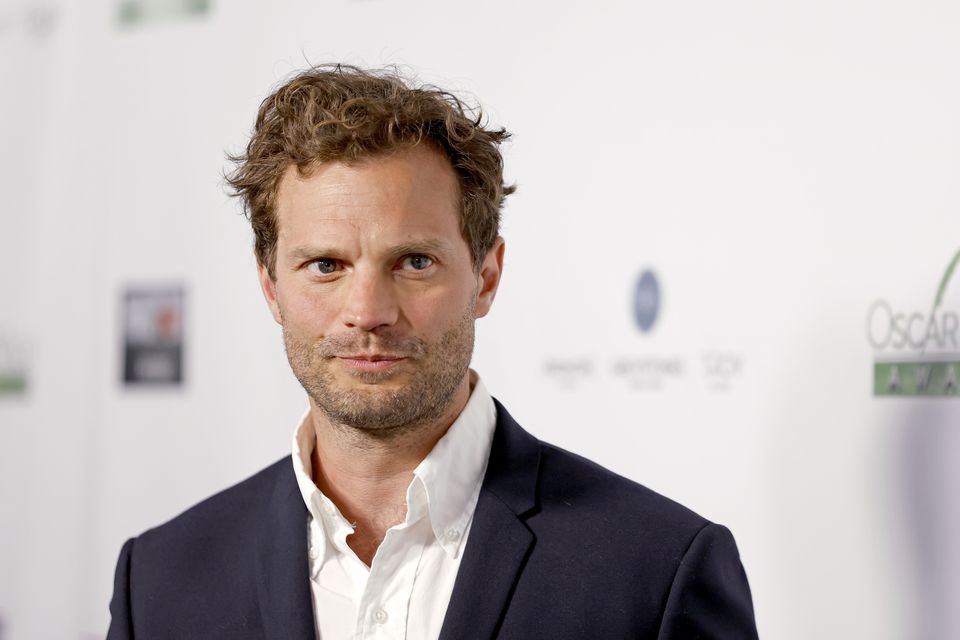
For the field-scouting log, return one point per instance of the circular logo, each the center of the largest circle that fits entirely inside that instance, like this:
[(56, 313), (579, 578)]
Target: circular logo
[(646, 301)]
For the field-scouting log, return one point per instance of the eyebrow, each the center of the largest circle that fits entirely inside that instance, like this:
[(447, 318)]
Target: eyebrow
[(419, 246), (433, 245), (305, 252)]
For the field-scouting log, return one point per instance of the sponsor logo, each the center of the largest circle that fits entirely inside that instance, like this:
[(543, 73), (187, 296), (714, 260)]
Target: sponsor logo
[(646, 301), (647, 367), (153, 331), (131, 12), (916, 352), (721, 369), (36, 19), (649, 372), (13, 365)]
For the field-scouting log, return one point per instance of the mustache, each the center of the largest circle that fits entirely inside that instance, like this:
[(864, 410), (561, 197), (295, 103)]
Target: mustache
[(351, 344)]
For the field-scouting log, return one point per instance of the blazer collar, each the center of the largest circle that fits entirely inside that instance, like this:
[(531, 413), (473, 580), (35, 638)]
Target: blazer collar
[(283, 580), (499, 541)]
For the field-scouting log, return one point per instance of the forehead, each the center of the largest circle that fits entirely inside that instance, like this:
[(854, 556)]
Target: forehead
[(410, 192)]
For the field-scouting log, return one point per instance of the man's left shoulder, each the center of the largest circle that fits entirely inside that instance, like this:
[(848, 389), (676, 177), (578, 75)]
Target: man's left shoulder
[(602, 496), (631, 553), (574, 498)]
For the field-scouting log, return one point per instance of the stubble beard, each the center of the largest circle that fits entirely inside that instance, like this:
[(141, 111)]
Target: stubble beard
[(434, 374)]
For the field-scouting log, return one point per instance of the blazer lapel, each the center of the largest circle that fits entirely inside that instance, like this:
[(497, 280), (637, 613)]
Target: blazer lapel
[(283, 577), (499, 540)]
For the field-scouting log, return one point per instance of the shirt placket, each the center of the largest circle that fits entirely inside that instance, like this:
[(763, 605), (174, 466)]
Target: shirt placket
[(385, 602)]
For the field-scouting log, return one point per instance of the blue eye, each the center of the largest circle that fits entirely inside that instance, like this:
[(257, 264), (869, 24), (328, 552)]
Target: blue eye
[(417, 262), (324, 266)]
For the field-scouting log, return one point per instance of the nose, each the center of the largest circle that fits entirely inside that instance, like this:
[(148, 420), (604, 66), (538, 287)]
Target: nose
[(370, 301)]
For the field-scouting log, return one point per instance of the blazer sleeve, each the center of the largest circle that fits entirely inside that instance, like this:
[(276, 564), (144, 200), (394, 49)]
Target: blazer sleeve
[(121, 618), (710, 597)]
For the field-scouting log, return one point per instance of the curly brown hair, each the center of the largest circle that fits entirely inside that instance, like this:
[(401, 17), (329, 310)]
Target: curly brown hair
[(343, 113)]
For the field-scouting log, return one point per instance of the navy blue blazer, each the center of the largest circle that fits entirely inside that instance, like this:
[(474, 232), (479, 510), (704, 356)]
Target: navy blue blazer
[(559, 548)]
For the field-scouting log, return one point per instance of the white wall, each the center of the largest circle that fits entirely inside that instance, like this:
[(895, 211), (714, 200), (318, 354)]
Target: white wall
[(779, 166)]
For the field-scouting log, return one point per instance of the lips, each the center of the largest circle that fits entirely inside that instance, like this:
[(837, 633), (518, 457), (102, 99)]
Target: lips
[(374, 357), (371, 362)]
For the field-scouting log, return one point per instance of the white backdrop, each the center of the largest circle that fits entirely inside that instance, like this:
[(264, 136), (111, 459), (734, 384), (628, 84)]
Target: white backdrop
[(779, 167)]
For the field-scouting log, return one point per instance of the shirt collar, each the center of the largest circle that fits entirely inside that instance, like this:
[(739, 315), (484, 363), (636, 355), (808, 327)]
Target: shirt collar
[(453, 471), (323, 511), (446, 483)]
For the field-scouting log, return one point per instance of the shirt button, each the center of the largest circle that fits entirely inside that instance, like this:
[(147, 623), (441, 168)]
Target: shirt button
[(314, 553), (380, 616), (453, 535)]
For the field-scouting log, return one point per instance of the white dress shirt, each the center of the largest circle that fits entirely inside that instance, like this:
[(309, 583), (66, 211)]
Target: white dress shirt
[(405, 591)]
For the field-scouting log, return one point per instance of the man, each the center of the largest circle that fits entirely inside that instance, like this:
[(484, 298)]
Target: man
[(414, 506)]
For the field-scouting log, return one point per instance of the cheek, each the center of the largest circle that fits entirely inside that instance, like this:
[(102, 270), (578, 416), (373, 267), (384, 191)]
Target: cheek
[(305, 311), (432, 312)]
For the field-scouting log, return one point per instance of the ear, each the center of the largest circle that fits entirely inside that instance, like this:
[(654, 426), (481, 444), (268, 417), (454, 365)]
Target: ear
[(489, 277), (269, 288)]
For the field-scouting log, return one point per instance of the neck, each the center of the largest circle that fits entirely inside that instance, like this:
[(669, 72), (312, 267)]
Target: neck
[(367, 474)]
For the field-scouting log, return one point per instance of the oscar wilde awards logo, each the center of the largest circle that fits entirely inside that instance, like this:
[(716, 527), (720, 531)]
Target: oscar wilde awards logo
[(917, 352)]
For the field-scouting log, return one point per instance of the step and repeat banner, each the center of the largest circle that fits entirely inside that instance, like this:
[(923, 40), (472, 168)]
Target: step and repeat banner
[(731, 275)]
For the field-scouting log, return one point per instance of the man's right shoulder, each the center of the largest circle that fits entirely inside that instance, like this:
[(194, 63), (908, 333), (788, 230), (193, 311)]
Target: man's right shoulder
[(201, 570)]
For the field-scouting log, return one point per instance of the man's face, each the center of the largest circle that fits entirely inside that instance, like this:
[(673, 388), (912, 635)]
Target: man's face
[(375, 288)]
